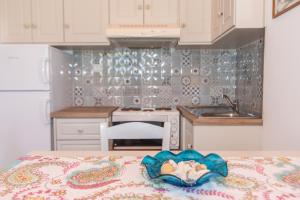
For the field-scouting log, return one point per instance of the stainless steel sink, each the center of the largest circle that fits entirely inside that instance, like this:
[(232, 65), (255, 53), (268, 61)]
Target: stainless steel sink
[(228, 115), (218, 111)]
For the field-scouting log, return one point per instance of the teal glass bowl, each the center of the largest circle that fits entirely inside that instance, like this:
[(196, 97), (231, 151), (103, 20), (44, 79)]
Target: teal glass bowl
[(216, 164)]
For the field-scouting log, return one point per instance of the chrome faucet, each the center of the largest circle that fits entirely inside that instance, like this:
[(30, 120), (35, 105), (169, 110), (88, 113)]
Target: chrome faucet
[(233, 105)]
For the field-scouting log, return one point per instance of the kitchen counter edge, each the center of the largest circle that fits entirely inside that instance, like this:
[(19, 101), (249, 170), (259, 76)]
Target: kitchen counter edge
[(85, 112)]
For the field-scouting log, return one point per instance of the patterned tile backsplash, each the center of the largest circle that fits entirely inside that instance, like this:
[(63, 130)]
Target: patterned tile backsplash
[(249, 75), (165, 76)]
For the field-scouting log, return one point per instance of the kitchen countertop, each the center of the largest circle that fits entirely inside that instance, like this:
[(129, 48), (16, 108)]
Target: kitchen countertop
[(234, 121), (85, 112)]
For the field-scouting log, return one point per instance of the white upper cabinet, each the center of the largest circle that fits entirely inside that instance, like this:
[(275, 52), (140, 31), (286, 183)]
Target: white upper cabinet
[(228, 14), (27, 21), (86, 21), (222, 16), (216, 18), (250, 13), (15, 18), (126, 12), (161, 12), (47, 21), (144, 12), (195, 21)]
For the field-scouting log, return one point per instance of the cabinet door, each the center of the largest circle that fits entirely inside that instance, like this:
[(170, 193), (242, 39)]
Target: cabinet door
[(16, 21), (78, 145), (228, 14), (161, 12), (126, 12), (47, 20), (85, 21), (216, 17), (195, 21)]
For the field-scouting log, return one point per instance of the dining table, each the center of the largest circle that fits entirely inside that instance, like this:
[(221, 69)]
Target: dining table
[(119, 175)]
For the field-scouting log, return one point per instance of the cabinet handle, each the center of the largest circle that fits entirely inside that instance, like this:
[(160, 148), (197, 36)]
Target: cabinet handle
[(183, 25), (80, 131), (26, 26), (46, 71), (147, 7), (47, 112), (33, 26), (66, 26), (140, 7), (221, 13)]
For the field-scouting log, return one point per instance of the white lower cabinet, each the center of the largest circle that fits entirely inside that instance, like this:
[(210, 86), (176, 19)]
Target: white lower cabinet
[(220, 138), (78, 134)]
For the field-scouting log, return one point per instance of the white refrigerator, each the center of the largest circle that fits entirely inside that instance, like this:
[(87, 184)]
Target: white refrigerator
[(34, 80)]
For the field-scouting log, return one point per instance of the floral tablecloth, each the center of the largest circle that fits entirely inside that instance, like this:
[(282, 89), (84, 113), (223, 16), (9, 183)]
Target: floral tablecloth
[(37, 177)]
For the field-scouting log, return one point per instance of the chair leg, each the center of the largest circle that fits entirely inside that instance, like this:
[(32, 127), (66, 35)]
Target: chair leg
[(104, 144), (103, 136)]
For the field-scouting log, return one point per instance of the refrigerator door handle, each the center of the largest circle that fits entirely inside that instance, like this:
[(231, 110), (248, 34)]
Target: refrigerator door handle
[(47, 112), (46, 71)]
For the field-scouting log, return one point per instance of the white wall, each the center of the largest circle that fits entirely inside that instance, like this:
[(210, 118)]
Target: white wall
[(282, 81)]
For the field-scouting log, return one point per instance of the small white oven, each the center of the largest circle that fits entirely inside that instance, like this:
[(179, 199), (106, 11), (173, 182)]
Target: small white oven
[(157, 117)]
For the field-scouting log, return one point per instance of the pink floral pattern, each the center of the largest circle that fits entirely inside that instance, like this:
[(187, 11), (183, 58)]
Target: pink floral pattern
[(122, 177)]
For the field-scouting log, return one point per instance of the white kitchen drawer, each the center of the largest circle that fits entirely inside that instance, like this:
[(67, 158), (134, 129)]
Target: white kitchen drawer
[(78, 129), (78, 145)]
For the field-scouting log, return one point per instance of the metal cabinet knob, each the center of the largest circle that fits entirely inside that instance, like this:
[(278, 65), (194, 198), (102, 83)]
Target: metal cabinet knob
[(221, 13), (140, 7), (66, 26), (26, 26), (183, 25), (147, 7), (33, 26), (80, 131)]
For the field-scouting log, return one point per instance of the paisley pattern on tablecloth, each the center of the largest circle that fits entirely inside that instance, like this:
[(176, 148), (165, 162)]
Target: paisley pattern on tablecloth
[(291, 178), (39, 177), (96, 177), (240, 182)]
